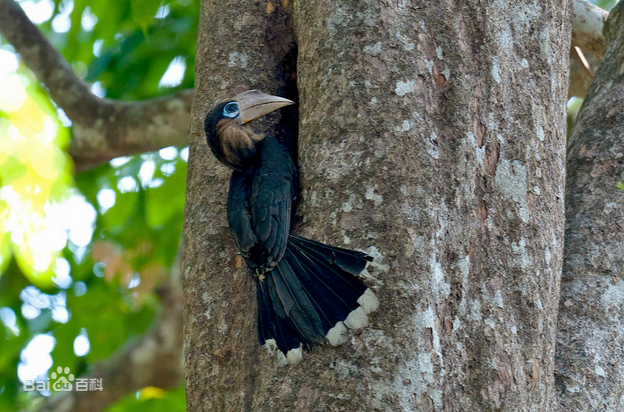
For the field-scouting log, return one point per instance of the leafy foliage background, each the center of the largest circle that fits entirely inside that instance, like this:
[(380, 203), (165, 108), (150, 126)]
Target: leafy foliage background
[(124, 48)]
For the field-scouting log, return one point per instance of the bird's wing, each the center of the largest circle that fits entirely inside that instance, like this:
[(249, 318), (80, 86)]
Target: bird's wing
[(272, 192), (239, 213)]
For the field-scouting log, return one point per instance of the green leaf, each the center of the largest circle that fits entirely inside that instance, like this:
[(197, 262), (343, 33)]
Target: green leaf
[(167, 201), (12, 170), (116, 219), (107, 317), (5, 251), (165, 401), (143, 12), (134, 50), (63, 352), (11, 347)]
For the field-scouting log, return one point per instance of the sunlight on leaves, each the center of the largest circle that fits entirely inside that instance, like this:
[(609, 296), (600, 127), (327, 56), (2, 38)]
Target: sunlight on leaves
[(150, 392), (35, 173)]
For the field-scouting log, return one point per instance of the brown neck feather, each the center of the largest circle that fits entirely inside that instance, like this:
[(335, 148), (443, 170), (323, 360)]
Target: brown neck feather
[(238, 142)]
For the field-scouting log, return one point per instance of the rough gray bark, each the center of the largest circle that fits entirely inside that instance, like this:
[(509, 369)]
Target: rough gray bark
[(432, 136), (590, 337), (102, 128), (441, 146)]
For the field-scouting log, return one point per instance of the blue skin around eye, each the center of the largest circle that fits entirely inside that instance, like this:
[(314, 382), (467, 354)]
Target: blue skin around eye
[(231, 110)]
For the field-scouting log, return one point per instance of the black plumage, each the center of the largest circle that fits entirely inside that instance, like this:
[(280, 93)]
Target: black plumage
[(307, 292)]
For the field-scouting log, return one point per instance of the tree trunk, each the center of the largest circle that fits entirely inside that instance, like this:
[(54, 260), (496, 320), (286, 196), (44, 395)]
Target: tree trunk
[(240, 46), (431, 136), (591, 333)]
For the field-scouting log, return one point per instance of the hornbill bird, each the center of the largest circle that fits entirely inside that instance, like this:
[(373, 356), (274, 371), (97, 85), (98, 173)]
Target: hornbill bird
[(308, 292)]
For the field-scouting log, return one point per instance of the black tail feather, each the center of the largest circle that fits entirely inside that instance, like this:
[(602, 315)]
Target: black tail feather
[(327, 302), (337, 293), (350, 261), (310, 292), (329, 272), (300, 309), (272, 319)]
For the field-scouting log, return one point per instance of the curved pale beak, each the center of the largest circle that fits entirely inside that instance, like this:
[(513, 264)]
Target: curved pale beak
[(254, 104)]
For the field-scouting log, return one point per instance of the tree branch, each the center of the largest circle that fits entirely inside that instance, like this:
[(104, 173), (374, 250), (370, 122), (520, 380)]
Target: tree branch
[(590, 340), (153, 360), (580, 77), (67, 90), (102, 128), (123, 128), (586, 34), (587, 28)]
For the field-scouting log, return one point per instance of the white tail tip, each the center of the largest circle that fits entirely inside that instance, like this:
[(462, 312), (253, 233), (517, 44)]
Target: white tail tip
[(294, 356), (337, 335), (368, 301), (357, 319)]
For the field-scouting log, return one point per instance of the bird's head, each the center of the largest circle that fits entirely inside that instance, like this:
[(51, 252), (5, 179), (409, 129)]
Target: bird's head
[(230, 138)]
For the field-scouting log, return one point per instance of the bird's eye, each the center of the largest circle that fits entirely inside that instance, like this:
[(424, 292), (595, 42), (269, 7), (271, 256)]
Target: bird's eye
[(231, 110)]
